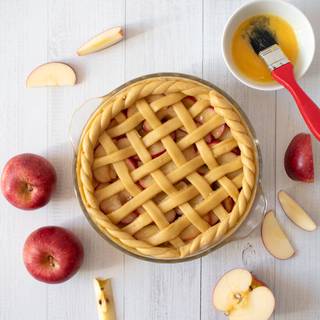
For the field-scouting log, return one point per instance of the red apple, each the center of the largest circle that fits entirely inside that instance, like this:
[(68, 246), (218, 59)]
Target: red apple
[(28, 181), (298, 159), (52, 254)]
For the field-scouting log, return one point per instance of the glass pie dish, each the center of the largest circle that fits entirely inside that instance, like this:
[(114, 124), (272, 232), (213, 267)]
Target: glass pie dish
[(170, 196)]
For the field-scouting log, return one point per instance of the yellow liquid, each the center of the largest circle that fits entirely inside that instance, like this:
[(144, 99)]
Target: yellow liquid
[(248, 62)]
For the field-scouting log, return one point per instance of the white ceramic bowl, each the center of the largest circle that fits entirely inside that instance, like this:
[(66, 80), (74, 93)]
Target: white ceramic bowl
[(288, 12)]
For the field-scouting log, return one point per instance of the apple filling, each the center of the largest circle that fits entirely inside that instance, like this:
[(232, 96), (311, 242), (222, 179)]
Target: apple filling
[(106, 175)]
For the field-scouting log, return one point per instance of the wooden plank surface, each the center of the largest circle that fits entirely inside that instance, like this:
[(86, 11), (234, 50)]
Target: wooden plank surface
[(164, 27), (299, 276), (161, 35)]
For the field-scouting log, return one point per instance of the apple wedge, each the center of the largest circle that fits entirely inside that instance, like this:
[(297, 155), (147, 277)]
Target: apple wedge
[(104, 298), (274, 238), (101, 41), (239, 299), (52, 74), (295, 213)]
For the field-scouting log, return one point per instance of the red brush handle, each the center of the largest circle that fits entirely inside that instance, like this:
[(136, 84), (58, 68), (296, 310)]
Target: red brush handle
[(309, 110)]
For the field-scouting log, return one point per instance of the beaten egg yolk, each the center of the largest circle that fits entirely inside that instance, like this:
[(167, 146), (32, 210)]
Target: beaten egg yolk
[(248, 62)]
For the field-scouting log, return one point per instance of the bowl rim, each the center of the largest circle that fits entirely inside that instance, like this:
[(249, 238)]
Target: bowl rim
[(237, 74), (257, 188)]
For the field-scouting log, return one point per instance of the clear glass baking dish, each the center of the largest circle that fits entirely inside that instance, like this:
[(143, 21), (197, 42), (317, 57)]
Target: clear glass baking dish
[(250, 221)]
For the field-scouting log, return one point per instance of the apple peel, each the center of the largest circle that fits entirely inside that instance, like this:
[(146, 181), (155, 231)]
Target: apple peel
[(295, 212), (52, 74), (101, 41), (104, 297), (274, 238)]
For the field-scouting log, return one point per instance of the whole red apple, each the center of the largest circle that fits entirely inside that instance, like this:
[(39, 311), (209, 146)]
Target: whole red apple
[(28, 181), (52, 254), (298, 159)]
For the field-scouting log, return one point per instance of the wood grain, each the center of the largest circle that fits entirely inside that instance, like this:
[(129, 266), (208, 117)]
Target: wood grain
[(165, 35), (158, 36)]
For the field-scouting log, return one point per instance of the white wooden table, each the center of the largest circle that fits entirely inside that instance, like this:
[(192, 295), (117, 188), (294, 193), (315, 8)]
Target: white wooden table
[(161, 35)]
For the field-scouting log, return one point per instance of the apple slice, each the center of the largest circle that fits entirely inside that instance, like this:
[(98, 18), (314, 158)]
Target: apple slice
[(237, 298), (228, 204), (101, 41), (168, 113), (189, 233), (146, 181), (226, 134), (211, 218), (274, 238), (104, 298), (181, 185), (218, 132), (146, 126), (203, 170), (52, 74), (146, 232), (131, 163), (106, 173), (122, 143), (171, 216), (156, 149), (209, 138), (205, 115), (189, 101), (190, 153), (169, 167), (227, 157), (129, 218), (236, 151), (180, 134), (295, 213), (110, 204)]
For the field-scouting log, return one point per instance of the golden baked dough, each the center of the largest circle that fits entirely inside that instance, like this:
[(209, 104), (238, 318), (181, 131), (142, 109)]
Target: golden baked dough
[(166, 167)]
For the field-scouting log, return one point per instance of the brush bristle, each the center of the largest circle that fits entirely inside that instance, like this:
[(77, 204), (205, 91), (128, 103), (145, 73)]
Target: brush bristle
[(261, 38)]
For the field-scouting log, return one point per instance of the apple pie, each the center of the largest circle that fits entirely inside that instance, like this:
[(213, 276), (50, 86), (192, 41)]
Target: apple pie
[(166, 167)]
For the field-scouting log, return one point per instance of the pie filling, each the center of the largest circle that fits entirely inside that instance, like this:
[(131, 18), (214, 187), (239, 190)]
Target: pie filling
[(169, 174)]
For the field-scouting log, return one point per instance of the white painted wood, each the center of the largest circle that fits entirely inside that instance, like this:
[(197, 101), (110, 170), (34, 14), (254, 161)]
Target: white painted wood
[(154, 29), (299, 276), (258, 106), (68, 26), (162, 35), (23, 117)]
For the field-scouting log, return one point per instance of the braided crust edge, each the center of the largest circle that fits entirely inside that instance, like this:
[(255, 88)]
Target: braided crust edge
[(100, 120)]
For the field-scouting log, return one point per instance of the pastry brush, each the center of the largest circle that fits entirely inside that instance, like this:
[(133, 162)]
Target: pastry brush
[(264, 43)]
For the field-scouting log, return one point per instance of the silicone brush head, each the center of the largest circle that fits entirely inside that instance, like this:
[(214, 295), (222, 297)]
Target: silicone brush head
[(264, 43), (261, 38)]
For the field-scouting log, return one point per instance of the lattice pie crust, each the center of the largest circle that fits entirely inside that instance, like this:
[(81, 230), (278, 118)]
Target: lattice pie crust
[(166, 167)]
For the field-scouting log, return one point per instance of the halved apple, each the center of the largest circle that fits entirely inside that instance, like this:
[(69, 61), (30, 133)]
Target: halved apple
[(239, 299), (274, 238), (295, 213), (101, 41), (52, 74)]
